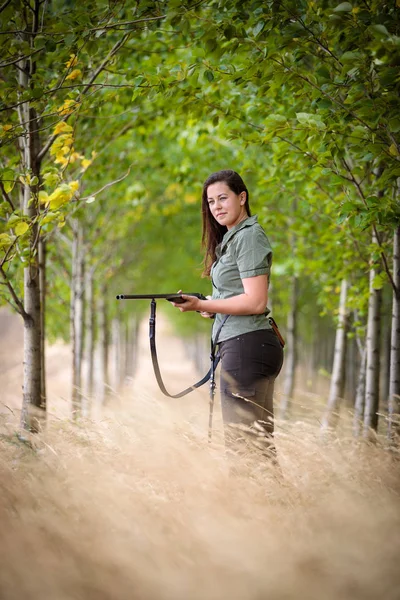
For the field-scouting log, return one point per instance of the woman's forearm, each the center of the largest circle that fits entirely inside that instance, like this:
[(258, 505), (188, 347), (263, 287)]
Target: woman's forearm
[(237, 305)]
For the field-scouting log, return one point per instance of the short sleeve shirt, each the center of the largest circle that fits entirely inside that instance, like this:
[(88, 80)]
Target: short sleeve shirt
[(244, 252)]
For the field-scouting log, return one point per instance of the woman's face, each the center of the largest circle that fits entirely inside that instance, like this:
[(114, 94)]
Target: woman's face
[(226, 207)]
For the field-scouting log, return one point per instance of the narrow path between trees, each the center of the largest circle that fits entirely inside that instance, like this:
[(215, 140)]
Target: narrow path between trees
[(178, 372)]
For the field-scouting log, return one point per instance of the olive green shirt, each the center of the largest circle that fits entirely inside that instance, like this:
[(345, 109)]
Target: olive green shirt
[(244, 252)]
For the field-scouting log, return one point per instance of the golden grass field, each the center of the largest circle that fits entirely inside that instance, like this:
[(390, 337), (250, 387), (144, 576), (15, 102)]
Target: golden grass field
[(136, 505)]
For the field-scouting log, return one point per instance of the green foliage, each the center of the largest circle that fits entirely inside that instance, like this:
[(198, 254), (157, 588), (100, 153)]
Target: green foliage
[(301, 98)]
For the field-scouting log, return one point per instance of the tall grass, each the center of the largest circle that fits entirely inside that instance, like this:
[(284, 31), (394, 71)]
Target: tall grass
[(139, 506)]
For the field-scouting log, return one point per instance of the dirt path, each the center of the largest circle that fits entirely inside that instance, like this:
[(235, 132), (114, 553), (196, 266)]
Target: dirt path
[(178, 373), (177, 369)]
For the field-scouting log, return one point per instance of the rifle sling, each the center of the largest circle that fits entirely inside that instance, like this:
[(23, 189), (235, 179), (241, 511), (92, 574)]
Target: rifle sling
[(214, 358)]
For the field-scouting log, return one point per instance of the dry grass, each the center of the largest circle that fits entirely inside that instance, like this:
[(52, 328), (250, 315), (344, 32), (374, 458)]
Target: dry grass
[(138, 506)]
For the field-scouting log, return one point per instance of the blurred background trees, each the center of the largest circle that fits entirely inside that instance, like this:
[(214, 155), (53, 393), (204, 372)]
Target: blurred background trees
[(112, 116)]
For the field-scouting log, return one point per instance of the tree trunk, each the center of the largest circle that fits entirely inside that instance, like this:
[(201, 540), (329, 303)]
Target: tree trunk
[(130, 347), (103, 346), (117, 343), (336, 391), (33, 412), (352, 370), (290, 354), (77, 318), (89, 333), (359, 404), (394, 384), (43, 292), (373, 356)]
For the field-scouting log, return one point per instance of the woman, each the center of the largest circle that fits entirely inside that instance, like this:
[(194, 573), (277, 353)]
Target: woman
[(238, 259)]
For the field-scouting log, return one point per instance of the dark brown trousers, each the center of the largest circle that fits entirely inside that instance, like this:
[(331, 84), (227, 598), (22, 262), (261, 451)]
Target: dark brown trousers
[(250, 364)]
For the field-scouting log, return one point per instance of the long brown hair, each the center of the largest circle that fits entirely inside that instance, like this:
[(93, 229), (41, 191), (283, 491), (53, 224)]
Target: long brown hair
[(213, 232)]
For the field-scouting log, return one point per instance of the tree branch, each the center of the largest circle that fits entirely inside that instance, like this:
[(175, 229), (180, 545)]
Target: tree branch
[(8, 252), (19, 305), (6, 196), (4, 5), (107, 59), (331, 98), (374, 229), (16, 60), (109, 184), (84, 30), (123, 23)]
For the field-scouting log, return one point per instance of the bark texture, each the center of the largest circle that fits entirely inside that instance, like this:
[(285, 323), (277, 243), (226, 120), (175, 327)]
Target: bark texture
[(103, 346), (360, 394), (77, 318), (33, 405), (90, 323), (338, 379), (394, 384), (290, 352), (43, 292), (373, 356)]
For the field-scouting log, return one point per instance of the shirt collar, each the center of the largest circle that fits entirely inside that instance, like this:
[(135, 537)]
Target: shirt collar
[(231, 232)]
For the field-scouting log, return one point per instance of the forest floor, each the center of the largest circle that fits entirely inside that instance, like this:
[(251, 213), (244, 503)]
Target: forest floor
[(133, 503)]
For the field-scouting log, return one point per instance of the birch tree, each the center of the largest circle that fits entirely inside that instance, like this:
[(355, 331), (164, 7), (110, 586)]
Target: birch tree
[(338, 379)]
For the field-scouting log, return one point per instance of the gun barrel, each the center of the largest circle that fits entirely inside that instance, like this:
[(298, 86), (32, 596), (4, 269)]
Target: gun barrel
[(156, 296)]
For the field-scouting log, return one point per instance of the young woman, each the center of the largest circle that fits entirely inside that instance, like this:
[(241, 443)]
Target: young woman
[(238, 259)]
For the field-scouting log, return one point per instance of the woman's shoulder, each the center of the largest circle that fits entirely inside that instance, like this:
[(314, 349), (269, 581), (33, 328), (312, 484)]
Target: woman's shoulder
[(252, 234)]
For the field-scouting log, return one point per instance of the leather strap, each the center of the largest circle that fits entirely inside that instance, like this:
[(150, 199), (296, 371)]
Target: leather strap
[(277, 332), (214, 358)]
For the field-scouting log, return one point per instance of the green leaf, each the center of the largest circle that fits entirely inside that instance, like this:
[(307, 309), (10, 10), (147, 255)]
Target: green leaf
[(303, 117), (275, 119), (258, 28), (348, 207), (380, 31), (209, 75), (5, 240), (51, 179), (8, 180), (343, 7), (379, 281), (13, 220), (21, 228), (349, 57), (49, 217)]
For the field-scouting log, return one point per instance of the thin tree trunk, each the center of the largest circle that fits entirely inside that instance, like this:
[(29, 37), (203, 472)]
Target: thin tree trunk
[(43, 292), (385, 359), (135, 344), (352, 370), (394, 384), (77, 318), (117, 347), (89, 333), (290, 354), (373, 356), (338, 379), (130, 345), (359, 404), (103, 346), (33, 412)]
